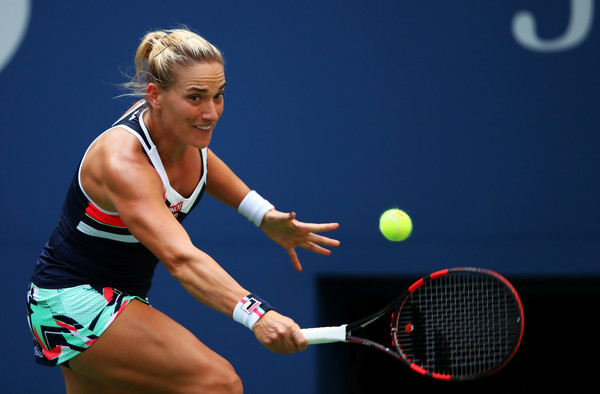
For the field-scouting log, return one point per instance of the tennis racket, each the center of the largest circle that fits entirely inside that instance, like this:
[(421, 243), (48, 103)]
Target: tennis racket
[(455, 324)]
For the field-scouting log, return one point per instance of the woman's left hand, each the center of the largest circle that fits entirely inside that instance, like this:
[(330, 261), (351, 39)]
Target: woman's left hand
[(285, 230)]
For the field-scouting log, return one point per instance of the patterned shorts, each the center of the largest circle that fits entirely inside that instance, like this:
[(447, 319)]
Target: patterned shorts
[(65, 322)]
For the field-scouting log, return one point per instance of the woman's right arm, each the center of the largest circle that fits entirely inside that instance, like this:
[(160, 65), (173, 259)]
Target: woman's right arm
[(123, 180)]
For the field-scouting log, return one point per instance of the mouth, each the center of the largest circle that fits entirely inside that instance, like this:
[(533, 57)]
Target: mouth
[(205, 128)]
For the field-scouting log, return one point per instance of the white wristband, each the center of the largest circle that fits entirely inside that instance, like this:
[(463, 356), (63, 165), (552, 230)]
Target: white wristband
[(254, 207), (250, 309)]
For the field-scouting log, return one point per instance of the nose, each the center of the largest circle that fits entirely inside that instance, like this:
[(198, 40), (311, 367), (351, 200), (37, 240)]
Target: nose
[(211, 110)]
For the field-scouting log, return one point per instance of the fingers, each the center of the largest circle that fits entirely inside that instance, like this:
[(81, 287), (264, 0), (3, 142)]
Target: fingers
[(299, 340), (322, 240), (312, 247), (312, 241), (316, 249), (310, 233), (314, 237), (294, 259), (291, 343), (279, 334), (313, 244), (321, 227), (289, 233)]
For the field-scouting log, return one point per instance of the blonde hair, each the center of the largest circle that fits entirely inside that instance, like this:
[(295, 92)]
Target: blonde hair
[(161, 52)]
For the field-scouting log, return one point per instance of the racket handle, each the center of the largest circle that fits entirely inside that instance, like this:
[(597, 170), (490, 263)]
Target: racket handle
[(318, 335)]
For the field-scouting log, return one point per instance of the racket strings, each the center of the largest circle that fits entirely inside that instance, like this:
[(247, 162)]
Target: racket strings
[(458, 325)]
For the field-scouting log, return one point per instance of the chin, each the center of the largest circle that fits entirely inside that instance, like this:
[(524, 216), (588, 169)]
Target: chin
[(200, 144)]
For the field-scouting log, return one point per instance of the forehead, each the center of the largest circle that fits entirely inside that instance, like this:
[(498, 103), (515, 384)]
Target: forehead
[(201, 75)]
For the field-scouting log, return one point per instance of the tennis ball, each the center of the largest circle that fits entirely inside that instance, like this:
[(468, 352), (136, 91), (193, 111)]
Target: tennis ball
[(395, 225)]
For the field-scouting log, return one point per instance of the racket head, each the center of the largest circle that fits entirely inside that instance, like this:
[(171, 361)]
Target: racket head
[(458, 324)]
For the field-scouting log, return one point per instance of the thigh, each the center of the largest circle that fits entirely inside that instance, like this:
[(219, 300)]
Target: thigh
[(144, 350), (77, 383)]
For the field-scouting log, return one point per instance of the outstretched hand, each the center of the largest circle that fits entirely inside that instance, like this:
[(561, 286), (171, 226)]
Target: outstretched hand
[(289, 233)]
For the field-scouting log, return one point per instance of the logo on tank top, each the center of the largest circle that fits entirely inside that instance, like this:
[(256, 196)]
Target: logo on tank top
[(176, 208)]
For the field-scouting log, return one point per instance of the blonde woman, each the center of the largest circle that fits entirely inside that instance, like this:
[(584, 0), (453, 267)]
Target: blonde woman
[(87, 304)]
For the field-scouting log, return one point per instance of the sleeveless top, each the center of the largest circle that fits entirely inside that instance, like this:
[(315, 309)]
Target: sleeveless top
[(92, 246)]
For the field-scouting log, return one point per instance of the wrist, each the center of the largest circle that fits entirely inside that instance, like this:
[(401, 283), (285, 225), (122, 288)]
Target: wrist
[(254, 207), (250, 309)]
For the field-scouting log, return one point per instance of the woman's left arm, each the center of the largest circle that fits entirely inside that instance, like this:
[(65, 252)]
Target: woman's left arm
[(222, 183), (283, 228)]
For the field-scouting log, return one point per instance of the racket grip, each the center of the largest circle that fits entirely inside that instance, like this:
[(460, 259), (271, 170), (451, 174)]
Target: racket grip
[(318, 335)]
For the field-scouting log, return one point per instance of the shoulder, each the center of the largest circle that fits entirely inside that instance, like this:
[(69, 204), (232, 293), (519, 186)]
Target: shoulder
[(115, 146), (116, 163), (120, 152)]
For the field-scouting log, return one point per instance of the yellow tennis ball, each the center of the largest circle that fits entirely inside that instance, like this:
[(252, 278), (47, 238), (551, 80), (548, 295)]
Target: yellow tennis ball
[(395, 225)]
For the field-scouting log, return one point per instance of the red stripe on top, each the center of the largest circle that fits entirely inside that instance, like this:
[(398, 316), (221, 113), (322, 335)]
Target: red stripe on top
[(105, 218)]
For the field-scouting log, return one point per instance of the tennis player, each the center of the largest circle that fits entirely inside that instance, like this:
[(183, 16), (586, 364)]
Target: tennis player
[(87, 303)]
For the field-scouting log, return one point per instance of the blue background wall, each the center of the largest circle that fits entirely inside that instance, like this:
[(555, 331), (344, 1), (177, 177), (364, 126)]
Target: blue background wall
[(337, 110)]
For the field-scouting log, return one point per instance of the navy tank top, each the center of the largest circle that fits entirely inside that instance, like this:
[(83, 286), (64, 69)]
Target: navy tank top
[(92, 246)]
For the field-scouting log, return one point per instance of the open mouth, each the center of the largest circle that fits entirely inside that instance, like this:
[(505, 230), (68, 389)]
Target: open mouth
[(203, 127)]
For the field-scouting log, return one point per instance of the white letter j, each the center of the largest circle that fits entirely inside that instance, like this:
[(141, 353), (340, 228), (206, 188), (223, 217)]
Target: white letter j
[(580, 23)]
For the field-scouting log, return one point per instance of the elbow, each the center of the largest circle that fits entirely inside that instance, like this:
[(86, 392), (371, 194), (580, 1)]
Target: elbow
[(178, 264), (186, 265)]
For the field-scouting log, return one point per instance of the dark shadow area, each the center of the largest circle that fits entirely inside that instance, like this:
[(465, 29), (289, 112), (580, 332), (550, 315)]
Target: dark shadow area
[(558, 341)]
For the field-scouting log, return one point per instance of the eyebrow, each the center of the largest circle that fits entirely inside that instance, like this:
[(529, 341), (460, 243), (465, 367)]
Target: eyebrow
[(204, 90)]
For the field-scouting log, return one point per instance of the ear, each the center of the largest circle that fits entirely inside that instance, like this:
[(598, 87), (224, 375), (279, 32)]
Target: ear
[(153, 95)]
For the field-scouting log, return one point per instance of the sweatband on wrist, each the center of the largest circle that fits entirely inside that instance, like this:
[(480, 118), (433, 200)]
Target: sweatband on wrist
[(254, 207), (250, 309)]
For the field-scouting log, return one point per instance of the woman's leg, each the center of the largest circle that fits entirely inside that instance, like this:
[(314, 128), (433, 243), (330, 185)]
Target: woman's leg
[(77, 383), (146, 351)]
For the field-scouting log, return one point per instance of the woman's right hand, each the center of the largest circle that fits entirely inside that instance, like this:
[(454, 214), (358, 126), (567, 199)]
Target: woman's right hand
[(279, 333)]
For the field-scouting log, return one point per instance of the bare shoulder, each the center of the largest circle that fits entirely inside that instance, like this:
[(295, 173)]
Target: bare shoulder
[(116, 164)]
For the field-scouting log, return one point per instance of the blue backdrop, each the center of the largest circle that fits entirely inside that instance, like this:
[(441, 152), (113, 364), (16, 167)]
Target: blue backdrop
[(480, 119)]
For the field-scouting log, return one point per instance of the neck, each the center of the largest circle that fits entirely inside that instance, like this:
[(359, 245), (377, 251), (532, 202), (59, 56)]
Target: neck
[(171, 150)]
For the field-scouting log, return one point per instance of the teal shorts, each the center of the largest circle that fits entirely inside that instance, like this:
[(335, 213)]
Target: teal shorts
[(65, 322)]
